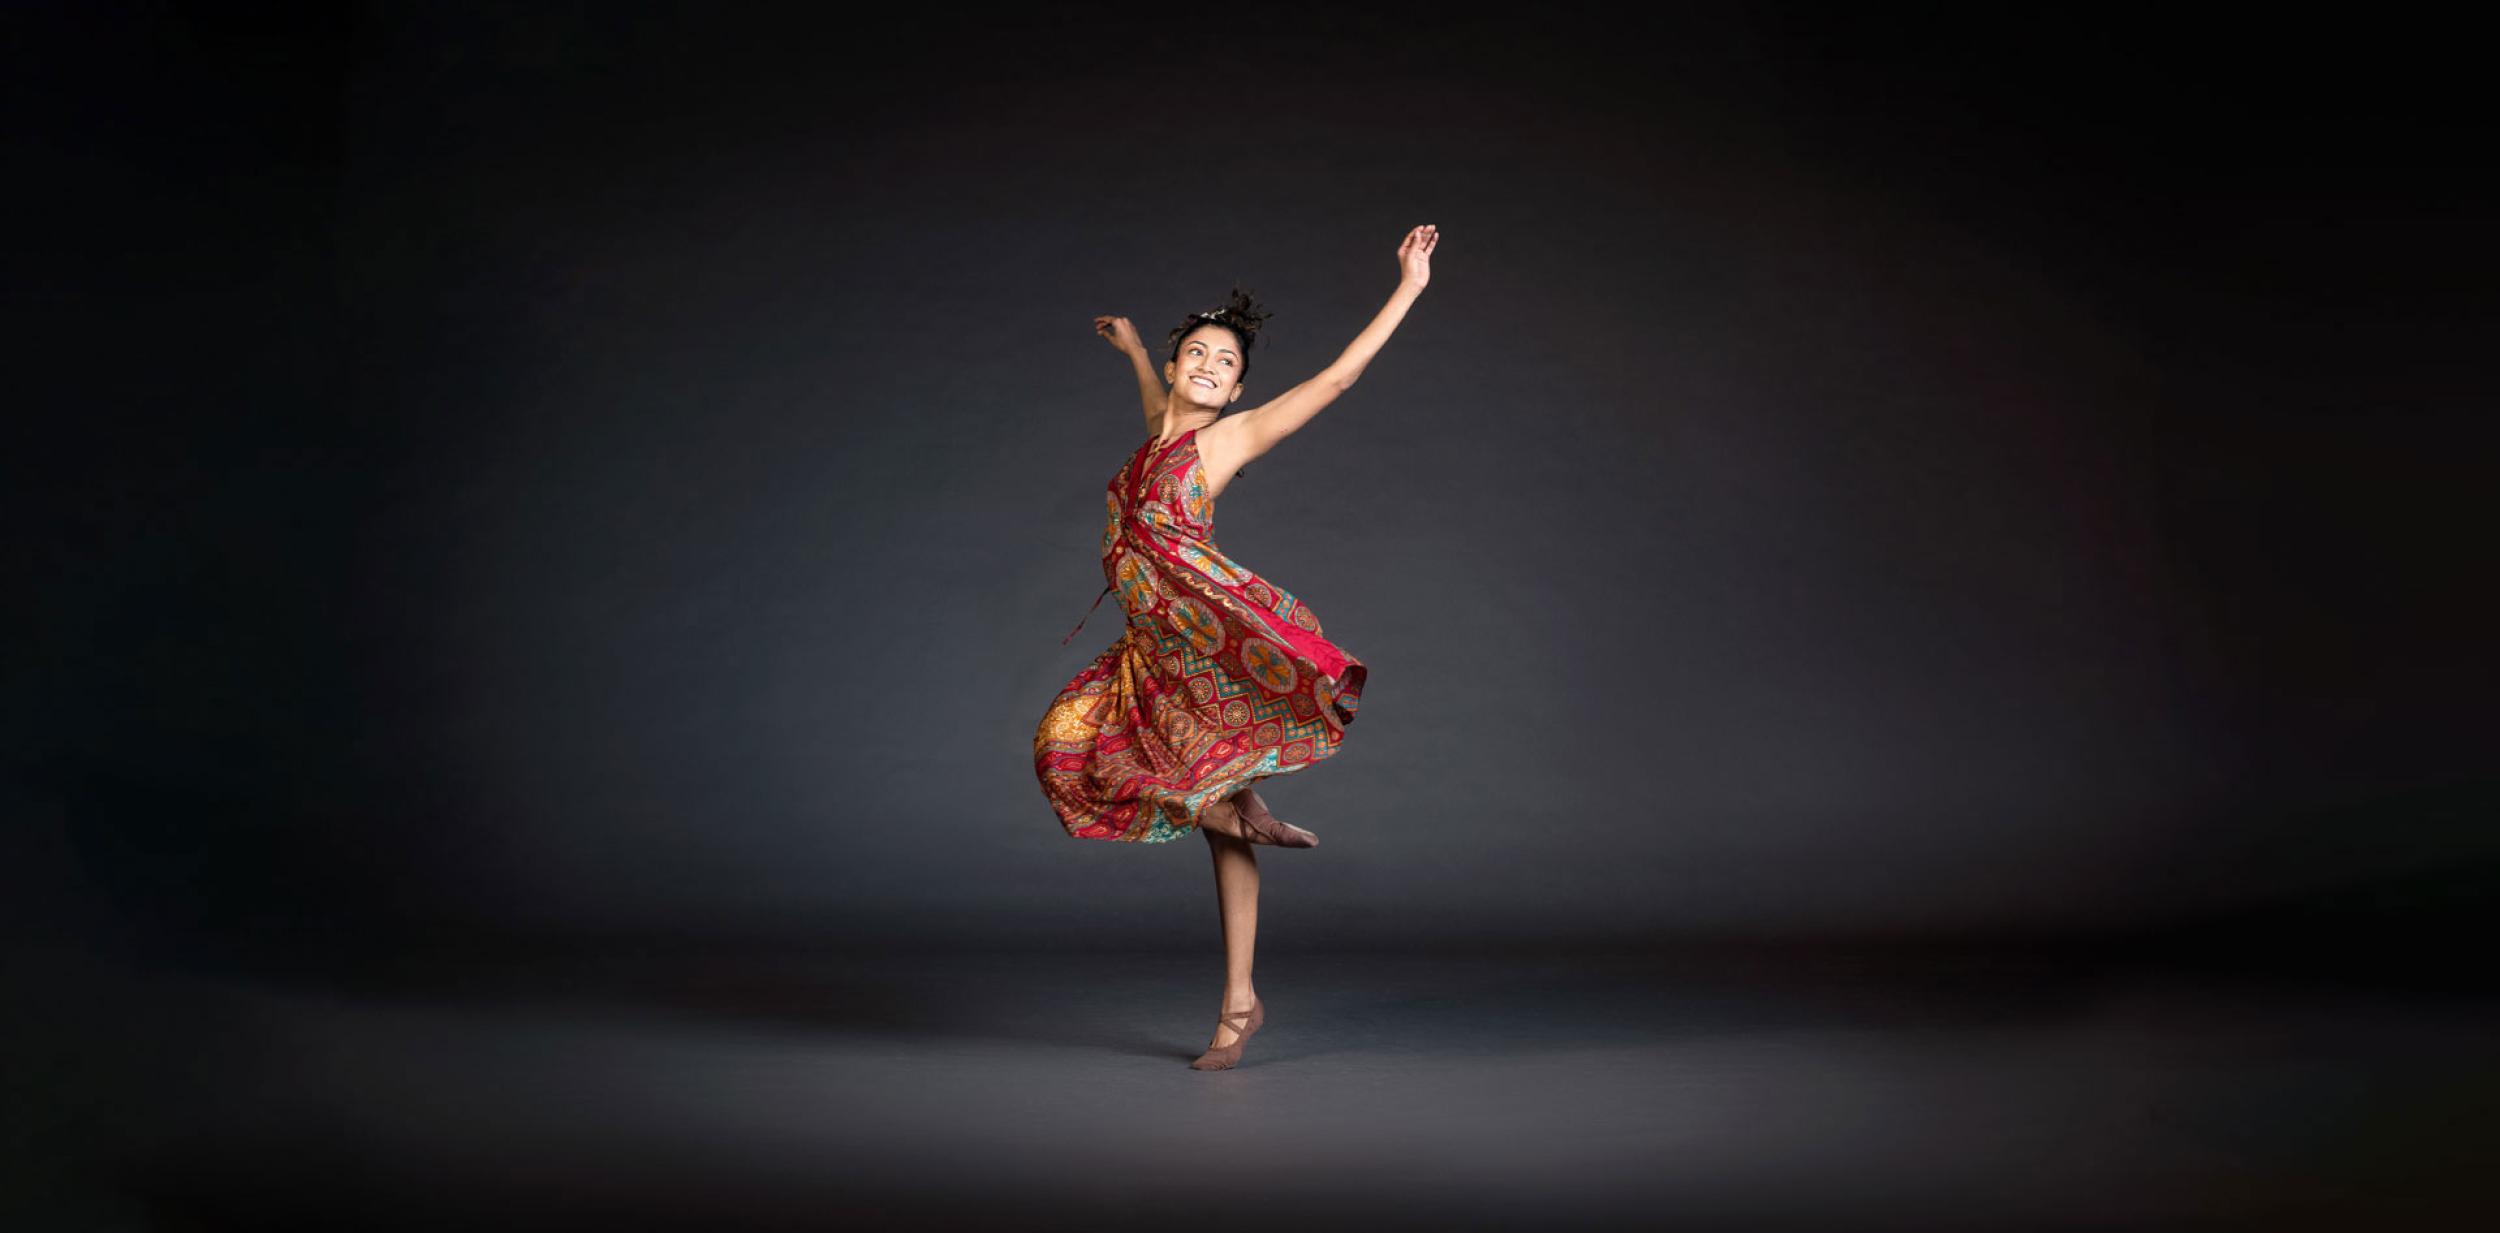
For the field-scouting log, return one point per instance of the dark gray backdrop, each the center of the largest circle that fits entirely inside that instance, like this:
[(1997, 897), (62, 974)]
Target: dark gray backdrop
[(594, 473)]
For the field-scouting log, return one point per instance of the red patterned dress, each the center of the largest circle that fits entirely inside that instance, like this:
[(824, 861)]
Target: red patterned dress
[(1220, 680)]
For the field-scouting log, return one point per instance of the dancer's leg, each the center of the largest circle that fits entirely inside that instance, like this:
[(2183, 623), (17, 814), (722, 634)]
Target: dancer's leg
[(1237, 895)]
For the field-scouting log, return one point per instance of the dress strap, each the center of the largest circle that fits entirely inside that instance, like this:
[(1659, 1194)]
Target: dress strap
[(1089, 612)]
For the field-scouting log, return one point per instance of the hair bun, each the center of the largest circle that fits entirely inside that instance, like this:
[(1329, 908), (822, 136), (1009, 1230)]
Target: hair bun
[(1240, 310)]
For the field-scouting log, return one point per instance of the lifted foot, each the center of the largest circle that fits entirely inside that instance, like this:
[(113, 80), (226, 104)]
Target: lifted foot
[(1264, 827)]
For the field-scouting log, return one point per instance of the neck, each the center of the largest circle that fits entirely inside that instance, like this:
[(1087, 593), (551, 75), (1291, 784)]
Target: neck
[(1179, 417)]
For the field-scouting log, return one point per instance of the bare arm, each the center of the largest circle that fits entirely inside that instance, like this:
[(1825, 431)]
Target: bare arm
[(1123, 336), (1273, 422), (1150, 390)]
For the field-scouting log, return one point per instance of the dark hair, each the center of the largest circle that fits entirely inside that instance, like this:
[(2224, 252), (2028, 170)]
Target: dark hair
[(1241, 314)]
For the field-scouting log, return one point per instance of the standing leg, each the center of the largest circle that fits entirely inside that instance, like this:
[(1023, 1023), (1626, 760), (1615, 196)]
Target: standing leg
[(1237, 894)]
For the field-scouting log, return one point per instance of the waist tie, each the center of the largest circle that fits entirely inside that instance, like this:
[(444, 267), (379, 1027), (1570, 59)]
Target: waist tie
[(1089, 612)]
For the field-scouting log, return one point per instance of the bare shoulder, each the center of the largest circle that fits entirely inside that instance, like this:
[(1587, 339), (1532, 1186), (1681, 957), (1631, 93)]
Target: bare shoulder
[(1224, 448)]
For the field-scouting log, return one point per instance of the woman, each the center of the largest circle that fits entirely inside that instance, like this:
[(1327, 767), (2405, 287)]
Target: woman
[(1222, 678)]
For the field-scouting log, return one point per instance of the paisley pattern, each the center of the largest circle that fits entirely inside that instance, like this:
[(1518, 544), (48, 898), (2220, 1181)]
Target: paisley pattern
[(1220, 679)]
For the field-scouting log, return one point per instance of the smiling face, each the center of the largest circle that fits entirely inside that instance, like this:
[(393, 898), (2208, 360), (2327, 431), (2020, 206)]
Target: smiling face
[(1207, 369)]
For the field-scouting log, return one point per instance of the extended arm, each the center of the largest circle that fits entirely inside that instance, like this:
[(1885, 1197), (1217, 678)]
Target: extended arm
[(1285, 416)]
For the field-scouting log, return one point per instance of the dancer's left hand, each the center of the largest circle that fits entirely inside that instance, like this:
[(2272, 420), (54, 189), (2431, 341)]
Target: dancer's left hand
[(1415, 256)]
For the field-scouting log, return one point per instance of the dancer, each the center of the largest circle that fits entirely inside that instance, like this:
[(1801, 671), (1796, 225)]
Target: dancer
[(1222, 678)]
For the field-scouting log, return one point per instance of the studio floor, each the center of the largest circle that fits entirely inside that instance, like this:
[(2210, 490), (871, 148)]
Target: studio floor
[(1788, 1089)]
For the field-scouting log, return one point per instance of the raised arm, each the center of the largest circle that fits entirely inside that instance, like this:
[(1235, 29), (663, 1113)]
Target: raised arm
[(1263, 426), (1123, 336)]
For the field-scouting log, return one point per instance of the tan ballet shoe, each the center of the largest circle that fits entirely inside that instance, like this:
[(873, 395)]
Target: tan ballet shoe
[(1260, 826), (1230, 1055)]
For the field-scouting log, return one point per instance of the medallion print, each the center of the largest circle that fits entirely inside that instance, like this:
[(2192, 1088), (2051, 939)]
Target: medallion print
[(1269, 664)]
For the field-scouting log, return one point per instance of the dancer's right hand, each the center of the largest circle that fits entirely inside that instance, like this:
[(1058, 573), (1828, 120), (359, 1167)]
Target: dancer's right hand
[(1120, 334)]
